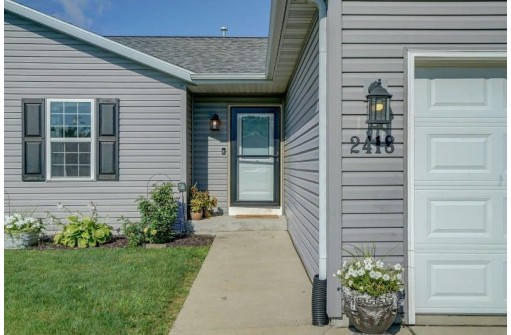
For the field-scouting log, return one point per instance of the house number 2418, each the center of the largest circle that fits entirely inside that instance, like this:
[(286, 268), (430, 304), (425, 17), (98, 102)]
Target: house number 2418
[(367, 146)]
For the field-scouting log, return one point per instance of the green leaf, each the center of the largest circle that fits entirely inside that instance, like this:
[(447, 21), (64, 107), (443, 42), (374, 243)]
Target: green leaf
[(83, 243)]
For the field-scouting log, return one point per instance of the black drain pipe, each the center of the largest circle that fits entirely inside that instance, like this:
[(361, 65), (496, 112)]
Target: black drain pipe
[(319, 316)]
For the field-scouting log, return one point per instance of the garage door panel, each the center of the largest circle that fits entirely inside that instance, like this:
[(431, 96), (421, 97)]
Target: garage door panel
[(459, 154), (465, 283), (459, 190), (461, 216), (460, 98)]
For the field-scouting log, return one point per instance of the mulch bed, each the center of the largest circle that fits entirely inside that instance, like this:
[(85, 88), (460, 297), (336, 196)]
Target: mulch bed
[(122, 242)]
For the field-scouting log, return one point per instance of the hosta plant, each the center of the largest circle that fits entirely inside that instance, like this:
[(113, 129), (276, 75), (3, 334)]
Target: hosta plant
[(17, 223), (82, 230)]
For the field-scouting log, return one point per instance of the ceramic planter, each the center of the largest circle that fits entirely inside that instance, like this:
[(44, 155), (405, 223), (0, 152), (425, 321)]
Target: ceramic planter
[(370, 315), (196, 216), (20, 241)]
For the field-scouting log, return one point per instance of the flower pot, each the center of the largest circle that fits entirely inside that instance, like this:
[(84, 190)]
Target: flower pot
[(370, 315), (196, 216), (20, 241)]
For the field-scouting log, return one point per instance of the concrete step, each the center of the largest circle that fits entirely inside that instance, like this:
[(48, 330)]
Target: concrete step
[(226, 223)]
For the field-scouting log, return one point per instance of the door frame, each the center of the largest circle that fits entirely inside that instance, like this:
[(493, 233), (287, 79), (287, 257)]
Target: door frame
[(278, 188), (436, 57)]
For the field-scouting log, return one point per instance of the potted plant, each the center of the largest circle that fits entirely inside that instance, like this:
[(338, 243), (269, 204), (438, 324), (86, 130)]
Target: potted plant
[(370, 291), (210, 203), (196, 209), (21, 231)]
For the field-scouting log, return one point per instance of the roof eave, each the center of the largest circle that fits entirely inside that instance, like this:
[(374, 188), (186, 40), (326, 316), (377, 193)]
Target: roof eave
[(98, 41), (277, 17)]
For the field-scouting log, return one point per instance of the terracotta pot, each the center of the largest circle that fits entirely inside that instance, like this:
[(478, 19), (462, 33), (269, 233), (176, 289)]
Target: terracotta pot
[(370, 315), (197, 216)]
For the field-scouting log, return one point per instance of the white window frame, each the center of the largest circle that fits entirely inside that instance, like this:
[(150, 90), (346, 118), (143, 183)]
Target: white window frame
[(91, 140), (412, 57)]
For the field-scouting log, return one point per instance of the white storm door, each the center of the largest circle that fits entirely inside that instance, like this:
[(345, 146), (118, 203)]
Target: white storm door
[(460, 190)]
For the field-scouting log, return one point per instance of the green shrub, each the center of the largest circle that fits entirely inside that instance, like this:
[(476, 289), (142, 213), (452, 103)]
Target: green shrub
[(82, 231), (134, 232), (158, 213)]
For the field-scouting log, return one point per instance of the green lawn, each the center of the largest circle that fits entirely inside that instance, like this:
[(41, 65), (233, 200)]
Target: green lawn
[(97, 291)]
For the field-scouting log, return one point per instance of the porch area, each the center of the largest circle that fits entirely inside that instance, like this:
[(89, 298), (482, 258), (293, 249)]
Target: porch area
[(238, 223)]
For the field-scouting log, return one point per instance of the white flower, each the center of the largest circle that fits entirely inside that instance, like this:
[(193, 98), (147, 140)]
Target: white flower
[(368, 260), (372, 274), (386, 277), (344, 264), (377, 275), (368, 267), (397, 267), (361, 272), (338, 272), (347, 276), (357, 263), (350, 282), (379, 264), (59, 206)]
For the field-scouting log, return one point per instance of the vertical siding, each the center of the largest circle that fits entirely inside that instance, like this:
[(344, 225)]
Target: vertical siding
[(210, 169), (42, 63), (375, 36), (301, 155)]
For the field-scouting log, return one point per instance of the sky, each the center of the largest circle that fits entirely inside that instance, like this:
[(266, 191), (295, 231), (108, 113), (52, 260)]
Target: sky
[(161, 17)]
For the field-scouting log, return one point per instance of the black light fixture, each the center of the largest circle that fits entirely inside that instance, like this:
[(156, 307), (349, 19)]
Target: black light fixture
[(378, 104), (214, 123)]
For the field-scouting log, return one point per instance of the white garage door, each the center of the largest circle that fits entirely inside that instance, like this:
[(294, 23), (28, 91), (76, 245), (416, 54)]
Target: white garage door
[(460, 190)]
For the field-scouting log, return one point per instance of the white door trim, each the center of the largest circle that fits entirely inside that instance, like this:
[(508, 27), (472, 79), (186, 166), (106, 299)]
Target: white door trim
[(412, 57)]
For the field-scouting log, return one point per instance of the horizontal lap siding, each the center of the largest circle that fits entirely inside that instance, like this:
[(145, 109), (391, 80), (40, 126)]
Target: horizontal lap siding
[(301, 155), (41, 63), (374, 37)]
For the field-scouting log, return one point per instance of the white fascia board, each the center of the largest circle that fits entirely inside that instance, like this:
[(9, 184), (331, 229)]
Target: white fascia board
[(277, 17), (229, 78), (98, 41)]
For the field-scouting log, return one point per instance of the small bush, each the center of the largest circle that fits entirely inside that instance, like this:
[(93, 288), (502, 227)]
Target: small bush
[(158, 213), (82, 231)]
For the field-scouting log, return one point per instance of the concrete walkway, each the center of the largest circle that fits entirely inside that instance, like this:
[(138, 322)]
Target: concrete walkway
[(254, 283)]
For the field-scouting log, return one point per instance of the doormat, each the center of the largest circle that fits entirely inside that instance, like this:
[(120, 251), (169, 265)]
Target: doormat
[(240, 216)]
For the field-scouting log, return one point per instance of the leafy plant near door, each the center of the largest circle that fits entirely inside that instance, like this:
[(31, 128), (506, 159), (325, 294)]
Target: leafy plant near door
[(201, 203), (370, 290)]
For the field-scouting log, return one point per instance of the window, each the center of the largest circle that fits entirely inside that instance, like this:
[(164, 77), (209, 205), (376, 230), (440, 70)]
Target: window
[(70, 136)]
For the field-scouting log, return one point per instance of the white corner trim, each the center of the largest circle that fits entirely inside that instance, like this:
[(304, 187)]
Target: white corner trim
[(411, 61), (97, 40)]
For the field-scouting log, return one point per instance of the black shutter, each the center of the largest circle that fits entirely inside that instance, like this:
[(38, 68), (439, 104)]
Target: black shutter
[(107, 125), (33, 144)]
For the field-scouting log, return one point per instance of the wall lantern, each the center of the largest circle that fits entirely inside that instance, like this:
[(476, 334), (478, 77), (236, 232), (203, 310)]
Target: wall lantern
[(181, 187), (378, 104), (214, 123)]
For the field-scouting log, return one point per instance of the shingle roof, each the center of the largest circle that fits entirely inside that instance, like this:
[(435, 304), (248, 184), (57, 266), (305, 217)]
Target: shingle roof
[(204, 54)]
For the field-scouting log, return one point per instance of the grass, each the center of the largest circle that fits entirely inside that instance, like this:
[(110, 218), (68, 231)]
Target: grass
[(97, 291)]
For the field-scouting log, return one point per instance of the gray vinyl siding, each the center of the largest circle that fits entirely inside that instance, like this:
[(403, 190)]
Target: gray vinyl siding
[(375, 36), (210, 169), (301, 155), (42, 63)]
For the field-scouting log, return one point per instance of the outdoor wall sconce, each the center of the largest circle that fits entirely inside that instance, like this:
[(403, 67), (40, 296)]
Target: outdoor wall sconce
[(378, 104), (379, 119), (214, 123)]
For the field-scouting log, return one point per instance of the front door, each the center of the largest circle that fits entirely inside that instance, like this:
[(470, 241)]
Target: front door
[(255, 156)]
